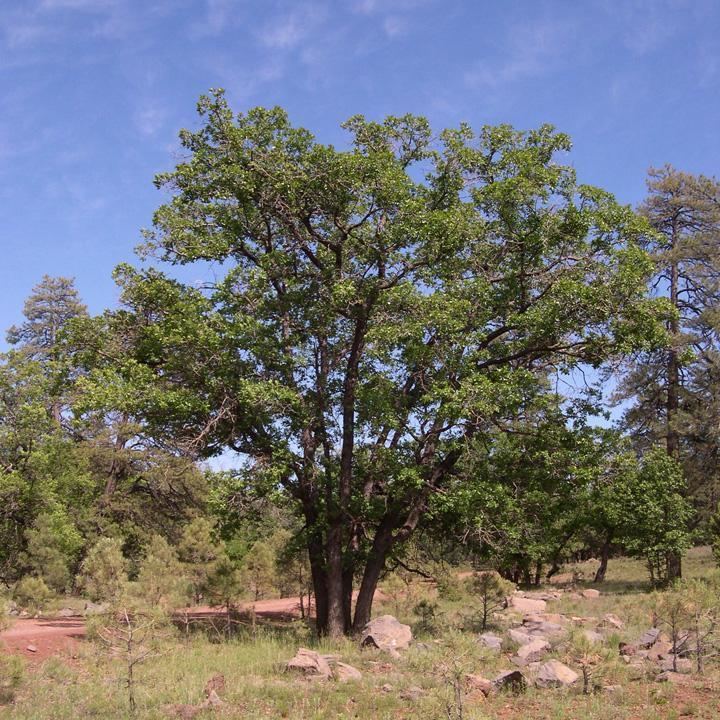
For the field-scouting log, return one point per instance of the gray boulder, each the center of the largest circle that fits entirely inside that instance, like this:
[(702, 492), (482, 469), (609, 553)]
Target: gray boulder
[(512, 680), (490, 640), (532, 652), (386, 633), (554, 674), (310, 665)]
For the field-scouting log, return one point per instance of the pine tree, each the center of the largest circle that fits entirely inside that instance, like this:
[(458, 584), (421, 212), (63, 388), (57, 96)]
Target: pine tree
[(51, 305), (684, 211)]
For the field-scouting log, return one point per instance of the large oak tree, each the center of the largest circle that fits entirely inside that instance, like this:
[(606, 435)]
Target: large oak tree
[(373, 309)]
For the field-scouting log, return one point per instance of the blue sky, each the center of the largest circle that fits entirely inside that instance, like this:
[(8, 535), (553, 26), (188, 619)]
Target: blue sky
[(93, 92)]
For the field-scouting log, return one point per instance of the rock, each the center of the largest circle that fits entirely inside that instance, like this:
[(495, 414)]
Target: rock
[(310, 664), (562, 578), (413, 693), (628, 649), (67, 613), (512, 680), (648, 638), (594, 637), (556, 618), (92, 608), (612, 621), (543, 629), (526, 605), (683, 665), (554, 674), (532, 652), (343, 672), (611, 688), (490, 640), (31, 648), (212, 700), (519, 636), (386, 633), (583, 621), (387, 687), (590, 594), (659, 650), (476, 682), (215, 684), (674, 678)]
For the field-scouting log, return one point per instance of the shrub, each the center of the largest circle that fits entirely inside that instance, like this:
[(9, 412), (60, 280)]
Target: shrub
[(489, 590), (12, 669), (161, 581), (259, 571), (53, 543), (32, 594), (450, 587), (103, 574), (198, 552), (224, 586), (429, 615)]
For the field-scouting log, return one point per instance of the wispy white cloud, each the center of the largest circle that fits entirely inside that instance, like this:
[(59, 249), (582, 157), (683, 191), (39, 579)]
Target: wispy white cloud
[(394, 25), (219, 16), (149, 119), (287, 30), (531, 51), (81, 5), (368, 7)]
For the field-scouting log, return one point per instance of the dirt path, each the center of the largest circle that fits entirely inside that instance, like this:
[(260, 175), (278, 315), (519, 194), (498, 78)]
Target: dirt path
[(39, 638)]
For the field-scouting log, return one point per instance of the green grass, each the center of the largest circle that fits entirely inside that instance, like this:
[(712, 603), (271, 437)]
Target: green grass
[(257, 686)]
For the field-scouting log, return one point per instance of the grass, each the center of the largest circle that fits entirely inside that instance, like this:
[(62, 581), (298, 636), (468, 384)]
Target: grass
[(257, 687)]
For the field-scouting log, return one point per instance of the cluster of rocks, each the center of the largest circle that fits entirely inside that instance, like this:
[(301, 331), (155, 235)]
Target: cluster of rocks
[(534, 634), (385, 633), (654, 648)]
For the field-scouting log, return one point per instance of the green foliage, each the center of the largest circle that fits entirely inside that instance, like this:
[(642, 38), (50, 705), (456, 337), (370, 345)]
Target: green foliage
[(198, 552), (449, 586), (429, 616), (592, 660), (715, 535), (399, 295), (53, 303), (689, 611), (103, 573), (53, 544), (12, 671), (161, 582), (489, 591), (258, 571), (674, 387), (32, 594), (656, 515)]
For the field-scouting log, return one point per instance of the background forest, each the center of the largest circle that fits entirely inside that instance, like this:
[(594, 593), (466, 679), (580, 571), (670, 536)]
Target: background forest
[(408, 373)]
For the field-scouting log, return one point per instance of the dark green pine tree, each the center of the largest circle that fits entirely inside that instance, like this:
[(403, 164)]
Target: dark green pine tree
[(53, 302), (665, 385)]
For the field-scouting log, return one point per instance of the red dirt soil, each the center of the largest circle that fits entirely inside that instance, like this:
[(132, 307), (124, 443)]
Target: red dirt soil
[(61, 636)]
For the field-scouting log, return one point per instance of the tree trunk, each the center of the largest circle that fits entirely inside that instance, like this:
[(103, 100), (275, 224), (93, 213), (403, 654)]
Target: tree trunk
[(335, 594), (319, 581), (604, 557), (373, 569), (673, 560), (348, 576)]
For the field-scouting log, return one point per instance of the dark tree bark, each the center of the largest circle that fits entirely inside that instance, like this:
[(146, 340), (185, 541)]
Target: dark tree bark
[(604, 557)]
